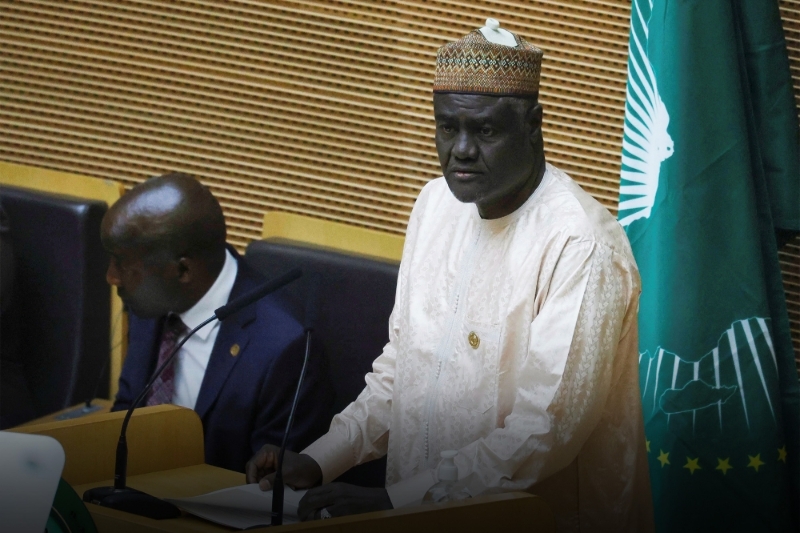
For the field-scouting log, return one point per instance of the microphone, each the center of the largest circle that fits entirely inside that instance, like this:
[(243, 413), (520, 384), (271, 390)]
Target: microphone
[(130, 500), (256, 294), (310, 322)]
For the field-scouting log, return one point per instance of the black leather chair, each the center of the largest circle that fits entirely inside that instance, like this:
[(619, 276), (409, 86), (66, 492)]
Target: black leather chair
[(60, 306), (356, 296)]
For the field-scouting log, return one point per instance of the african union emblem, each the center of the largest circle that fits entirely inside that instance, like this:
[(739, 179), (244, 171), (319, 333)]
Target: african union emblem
[(713, 431), (646, 142), (737, 380)]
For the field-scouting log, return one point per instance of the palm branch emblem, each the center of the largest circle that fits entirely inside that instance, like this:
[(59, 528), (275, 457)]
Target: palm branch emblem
[(645, 142)]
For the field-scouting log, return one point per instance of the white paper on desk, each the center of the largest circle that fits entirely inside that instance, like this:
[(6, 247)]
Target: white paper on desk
[(241, 507)]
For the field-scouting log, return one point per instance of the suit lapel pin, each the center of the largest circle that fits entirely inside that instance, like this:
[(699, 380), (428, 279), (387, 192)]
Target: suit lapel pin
[(235, 350)]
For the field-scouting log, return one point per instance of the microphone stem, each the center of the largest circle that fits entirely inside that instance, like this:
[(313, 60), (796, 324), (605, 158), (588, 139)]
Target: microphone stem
[(277, 491), (121, 467)]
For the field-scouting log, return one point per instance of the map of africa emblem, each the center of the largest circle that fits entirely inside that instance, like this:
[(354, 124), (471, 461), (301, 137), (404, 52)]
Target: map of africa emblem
[(736, 380), (646, 142)]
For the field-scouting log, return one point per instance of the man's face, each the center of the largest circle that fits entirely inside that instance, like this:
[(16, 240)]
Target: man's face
[(148, 285), (486, 149)]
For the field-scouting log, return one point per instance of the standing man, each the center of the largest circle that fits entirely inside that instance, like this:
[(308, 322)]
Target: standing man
[(513, 338), (172, 268)]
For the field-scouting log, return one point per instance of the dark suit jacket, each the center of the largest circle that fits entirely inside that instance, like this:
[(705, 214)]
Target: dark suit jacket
[(244, 400)]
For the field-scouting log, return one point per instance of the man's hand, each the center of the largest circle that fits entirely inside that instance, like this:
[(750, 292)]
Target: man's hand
[(300, 471), (342, 499)]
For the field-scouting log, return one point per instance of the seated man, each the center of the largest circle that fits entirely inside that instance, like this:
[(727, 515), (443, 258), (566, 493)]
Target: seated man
[(172, 268), (513, 338)]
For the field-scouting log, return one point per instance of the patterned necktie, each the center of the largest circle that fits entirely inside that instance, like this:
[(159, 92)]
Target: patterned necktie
[(164, 386)]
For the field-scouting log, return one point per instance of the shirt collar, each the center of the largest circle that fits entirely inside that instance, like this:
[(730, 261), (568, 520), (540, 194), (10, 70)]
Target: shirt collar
[(215, 297)]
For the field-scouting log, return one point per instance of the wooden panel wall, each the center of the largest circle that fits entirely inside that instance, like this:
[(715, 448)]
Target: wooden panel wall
[(790, 254), (319, 107)]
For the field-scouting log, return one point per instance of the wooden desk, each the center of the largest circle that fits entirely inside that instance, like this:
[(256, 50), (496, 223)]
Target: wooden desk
[(166, 460), (160, 438), (176, 483), (507, 512)]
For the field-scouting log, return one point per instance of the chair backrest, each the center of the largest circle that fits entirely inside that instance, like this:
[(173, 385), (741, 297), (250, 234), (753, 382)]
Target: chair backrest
[(60, 297), (356, 296)]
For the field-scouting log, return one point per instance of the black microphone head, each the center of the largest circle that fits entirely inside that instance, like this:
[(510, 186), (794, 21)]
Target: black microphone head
[(313, 287), (256, 294)]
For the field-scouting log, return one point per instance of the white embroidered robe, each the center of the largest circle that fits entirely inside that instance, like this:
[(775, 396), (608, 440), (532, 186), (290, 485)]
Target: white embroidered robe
[(513, 341)]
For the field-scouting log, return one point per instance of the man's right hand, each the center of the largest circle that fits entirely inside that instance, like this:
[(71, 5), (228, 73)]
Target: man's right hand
[(300, 471)]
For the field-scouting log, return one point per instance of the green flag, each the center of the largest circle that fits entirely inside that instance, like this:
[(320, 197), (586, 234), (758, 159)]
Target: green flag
[(710, 170)]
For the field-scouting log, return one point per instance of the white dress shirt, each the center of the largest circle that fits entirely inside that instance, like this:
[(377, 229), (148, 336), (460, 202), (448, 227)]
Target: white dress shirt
[(514, 342), (192, 360)]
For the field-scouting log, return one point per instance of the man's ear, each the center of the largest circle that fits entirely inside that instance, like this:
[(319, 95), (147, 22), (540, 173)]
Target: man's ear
[(185, 270)]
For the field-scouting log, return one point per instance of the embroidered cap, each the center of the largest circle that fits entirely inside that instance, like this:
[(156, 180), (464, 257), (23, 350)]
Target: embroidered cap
[(491, 61)]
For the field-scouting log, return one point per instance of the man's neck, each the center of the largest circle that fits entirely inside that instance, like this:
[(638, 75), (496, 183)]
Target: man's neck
[(204, 279), (514, 201)]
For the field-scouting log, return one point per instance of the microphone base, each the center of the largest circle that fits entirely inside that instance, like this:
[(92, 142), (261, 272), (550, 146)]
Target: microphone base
[(132, 501)]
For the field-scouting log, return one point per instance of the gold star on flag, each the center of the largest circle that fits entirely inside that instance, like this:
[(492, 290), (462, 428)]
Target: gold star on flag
[(692, 464), (782, 454), (647, 445), (724, 465), (755, 462), (663, 458)]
